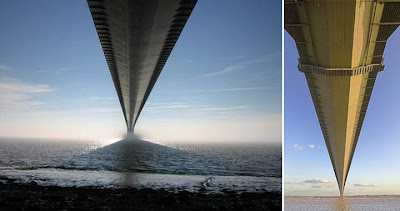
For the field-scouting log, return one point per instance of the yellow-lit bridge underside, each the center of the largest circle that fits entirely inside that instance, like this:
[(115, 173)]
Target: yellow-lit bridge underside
[(341, 44)]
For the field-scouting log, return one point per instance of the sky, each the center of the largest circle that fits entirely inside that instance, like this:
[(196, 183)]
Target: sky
[(375, 166), (222, 82)]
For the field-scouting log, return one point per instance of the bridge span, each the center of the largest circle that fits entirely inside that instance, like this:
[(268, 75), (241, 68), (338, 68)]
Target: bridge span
[(137, 37), (341, 44)]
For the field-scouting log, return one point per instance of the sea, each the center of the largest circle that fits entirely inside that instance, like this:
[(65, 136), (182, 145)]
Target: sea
[(206, 168), (353, 203)]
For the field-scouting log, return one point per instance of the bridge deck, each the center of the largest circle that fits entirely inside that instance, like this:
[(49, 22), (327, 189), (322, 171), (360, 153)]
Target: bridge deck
[(137, 37)]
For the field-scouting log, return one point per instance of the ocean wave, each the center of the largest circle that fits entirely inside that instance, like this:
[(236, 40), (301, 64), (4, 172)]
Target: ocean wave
[(107, 179)]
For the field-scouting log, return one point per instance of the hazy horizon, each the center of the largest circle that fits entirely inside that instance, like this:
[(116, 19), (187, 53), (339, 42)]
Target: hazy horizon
[(162, 142)]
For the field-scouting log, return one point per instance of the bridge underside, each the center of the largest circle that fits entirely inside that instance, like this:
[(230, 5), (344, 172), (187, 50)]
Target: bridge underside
[(341, 44), (137, 37)]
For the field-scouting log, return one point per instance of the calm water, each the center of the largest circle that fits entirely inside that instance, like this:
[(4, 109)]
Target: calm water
[(347, 204), (210, 168)]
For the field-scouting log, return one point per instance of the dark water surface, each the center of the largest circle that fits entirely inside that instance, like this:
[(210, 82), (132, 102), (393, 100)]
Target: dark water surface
[(142, 164)]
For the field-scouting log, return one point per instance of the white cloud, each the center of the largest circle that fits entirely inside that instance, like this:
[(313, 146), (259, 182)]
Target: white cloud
[(169, 106), (323, 185), (294, 183), (254, 61), (15, 94), (231, 89), (366, 185), (102, 98), (5, 68), (227, 108), (317, 181), (320, 183), (231, 68), (101, 110), (298, 147), (264, 58), (56, 70), (240, 65), (186, 108)]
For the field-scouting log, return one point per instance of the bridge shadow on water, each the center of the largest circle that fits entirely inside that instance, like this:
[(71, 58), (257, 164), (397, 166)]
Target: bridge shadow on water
[(139, 156), (138, 163), (134, 155), (136, 160)]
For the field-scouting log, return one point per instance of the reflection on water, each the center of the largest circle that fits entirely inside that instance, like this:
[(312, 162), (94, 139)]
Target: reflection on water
[(136, 163), (347, 204), (341, 205)]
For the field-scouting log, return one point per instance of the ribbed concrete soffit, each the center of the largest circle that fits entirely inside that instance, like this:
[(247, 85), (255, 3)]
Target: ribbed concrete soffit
[(341, 46), (137, 37)]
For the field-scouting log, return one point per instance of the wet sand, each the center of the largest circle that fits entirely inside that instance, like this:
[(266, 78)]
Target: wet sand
[(34, 197)]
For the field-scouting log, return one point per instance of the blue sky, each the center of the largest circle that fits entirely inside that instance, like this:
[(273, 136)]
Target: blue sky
[(374, 170), (222, 81)]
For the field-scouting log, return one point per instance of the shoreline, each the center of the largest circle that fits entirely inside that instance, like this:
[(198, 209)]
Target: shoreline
[(28, 197), (338, 197)]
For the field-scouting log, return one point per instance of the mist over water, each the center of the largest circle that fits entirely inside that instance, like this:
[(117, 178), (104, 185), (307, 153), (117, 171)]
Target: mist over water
[(135, 163)]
